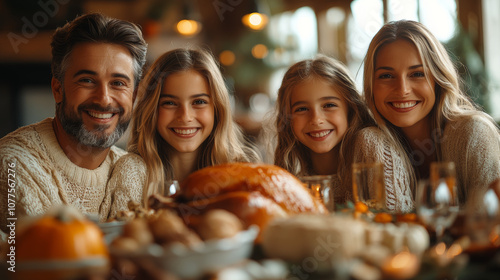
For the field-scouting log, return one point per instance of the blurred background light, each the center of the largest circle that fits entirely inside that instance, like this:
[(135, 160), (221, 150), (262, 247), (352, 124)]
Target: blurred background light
[(259, 51), (227, 57)]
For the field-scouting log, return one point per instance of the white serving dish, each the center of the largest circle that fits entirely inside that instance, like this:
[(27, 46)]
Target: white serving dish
[(193, 262)]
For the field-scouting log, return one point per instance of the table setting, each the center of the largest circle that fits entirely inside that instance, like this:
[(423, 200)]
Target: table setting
[(252, 228)]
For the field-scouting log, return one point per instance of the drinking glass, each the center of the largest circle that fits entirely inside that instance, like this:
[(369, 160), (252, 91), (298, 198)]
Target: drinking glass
[(368, 184), (437, 200), (480, 223), (321, 186), (168, 189)]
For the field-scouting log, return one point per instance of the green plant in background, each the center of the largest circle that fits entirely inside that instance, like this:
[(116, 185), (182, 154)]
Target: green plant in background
[(470, 67)]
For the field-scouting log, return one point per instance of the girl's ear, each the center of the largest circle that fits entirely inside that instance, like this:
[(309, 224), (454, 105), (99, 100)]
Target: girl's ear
[(57, 90)]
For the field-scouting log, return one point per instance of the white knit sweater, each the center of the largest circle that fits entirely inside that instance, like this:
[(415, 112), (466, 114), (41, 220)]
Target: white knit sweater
[(372, 146), (126, 183), (474, 145), (44, 175)]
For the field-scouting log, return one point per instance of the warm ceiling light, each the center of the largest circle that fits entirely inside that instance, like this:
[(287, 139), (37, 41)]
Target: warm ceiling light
[(259, 51), (188, 27), (227, 58), (255, 21)]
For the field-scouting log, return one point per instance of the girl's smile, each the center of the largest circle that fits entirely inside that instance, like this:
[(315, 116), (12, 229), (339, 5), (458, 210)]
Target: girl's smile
[(320, 135), (185, 132)]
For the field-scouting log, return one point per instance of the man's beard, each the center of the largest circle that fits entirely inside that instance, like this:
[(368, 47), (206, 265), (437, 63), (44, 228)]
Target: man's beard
[(73, 125)]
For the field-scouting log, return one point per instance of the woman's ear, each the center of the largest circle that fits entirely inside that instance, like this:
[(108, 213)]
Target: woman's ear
[(57, 90)]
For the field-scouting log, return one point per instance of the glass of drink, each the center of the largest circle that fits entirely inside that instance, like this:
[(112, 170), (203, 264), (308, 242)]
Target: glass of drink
[(321, 186), (168, 189), (368, 184), (437, 200)]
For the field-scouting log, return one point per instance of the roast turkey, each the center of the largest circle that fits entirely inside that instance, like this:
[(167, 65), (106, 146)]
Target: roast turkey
[(255, 193)]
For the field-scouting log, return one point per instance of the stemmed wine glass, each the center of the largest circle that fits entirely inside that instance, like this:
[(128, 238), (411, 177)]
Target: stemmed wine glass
[(481, 224), (168, 189), (437, 200)]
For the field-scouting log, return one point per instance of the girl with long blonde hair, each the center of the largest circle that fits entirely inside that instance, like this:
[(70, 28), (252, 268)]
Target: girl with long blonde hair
[(413, 90), (182, 122), (323, 126)]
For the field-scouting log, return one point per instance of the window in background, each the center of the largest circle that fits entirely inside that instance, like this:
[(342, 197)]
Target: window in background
[(331, 30), (402, 9), (365, 20), (491, 22), (295, 35), (440, 16)]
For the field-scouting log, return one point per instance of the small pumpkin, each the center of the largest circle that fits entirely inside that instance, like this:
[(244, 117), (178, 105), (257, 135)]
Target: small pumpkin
[(62, 244)]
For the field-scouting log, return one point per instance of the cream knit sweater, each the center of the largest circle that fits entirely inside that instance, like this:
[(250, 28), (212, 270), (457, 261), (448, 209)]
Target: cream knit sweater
[(372, 146), (126, 183), (44, 175), (474, 145)]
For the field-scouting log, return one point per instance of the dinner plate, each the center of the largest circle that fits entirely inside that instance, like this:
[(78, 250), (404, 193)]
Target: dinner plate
[(196, 261)]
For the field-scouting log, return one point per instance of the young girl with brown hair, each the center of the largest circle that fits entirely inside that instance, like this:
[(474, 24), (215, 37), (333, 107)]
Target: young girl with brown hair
[(323, 126)]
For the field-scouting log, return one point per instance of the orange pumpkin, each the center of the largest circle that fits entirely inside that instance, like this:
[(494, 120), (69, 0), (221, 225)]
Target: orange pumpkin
[(61, 245)]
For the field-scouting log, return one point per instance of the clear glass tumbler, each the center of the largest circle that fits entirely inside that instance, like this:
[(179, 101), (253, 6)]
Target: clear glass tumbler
[(368, 184), (321, 186)]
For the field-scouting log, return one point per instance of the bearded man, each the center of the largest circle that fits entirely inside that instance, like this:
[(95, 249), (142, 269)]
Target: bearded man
[(97, 63)]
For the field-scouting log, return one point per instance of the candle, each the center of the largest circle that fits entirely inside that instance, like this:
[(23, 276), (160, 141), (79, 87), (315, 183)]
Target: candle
[(403, 265)]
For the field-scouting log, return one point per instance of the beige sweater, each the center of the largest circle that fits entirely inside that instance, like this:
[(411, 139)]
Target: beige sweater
[(126, 183), (44, 175), (474, 145), (372, 146)]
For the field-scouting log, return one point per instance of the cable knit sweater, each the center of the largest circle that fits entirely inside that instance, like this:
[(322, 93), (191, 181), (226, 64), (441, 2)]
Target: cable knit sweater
[(372, 146), (126, 183), (45, 176), (474, 145)]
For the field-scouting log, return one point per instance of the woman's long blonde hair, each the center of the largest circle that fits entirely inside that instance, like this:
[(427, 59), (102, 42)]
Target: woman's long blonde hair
[(226, 142), (291, 154), (451, 101)]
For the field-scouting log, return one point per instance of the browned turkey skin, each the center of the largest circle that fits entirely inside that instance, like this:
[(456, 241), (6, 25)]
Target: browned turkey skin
[(255, 193)]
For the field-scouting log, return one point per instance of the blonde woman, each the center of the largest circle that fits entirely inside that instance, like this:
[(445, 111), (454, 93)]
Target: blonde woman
[(182, 122), (412, 88), (323, 126)]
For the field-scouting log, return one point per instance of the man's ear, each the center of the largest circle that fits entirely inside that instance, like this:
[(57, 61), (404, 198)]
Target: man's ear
[(57, 90)]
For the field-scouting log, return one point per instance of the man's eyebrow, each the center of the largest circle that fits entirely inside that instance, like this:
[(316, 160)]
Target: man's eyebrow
[(120, 75), (83, 72)]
